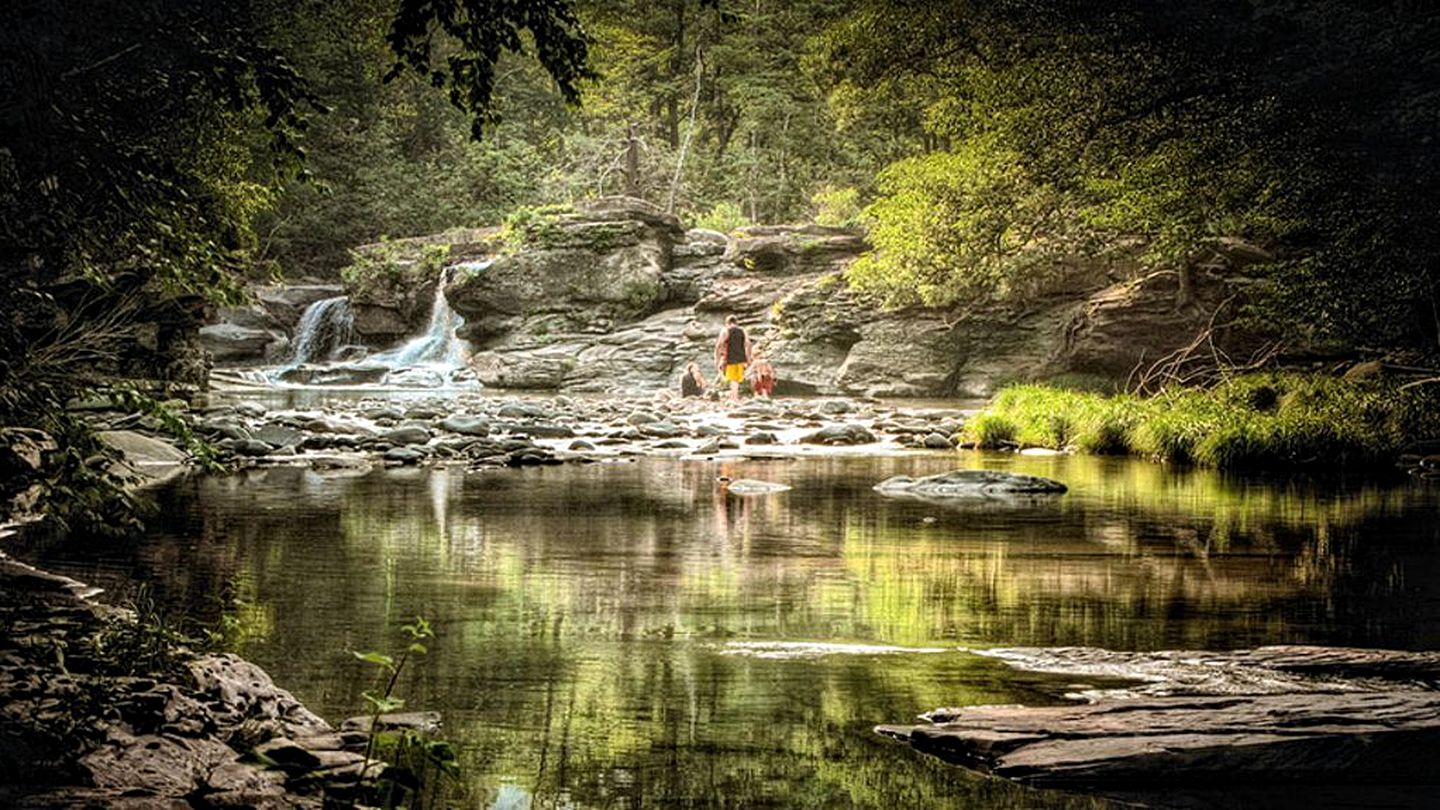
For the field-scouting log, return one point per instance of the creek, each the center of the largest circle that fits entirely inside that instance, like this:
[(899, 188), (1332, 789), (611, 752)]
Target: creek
[(630, 634)]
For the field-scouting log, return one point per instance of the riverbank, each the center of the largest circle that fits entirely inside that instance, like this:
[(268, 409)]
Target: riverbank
[(1254, 421), (102, 709)]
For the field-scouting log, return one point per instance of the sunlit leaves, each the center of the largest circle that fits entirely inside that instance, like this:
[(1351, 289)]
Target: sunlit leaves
[(956, 224), (1173, 123)]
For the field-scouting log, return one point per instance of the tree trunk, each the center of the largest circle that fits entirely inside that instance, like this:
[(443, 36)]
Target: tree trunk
[(677, 62), (632, 163), (1185, 291)]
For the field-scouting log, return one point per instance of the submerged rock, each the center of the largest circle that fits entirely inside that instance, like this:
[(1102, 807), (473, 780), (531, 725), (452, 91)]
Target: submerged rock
[(938, 441), (750, 486), (970, 484)]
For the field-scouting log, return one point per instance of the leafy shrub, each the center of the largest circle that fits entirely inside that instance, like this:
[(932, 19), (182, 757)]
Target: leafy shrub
[(416, 760), (724, 217), (529, 225), (990, 430), (392, 265), (837, 207)]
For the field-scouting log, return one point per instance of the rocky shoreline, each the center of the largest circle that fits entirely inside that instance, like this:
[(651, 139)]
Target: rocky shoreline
[(83, 724)]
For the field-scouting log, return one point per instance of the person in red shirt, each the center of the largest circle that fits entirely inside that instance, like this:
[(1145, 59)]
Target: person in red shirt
[(762, 377)]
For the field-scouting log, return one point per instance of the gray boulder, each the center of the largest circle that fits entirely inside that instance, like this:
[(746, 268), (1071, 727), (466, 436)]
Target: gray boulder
[(407, 435), (788, 249), (279, 435), (247, 447), (405, 455), (285, 304), (840, 434), (466, 425), (142, 451), (232, 343), (342, 374), (938, 441)]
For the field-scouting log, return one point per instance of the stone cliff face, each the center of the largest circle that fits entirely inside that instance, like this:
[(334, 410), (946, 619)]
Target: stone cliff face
[(579, 273), (618, 297)]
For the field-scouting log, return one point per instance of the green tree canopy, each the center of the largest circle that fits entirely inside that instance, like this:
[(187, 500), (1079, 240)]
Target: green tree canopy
[(1305, 127)]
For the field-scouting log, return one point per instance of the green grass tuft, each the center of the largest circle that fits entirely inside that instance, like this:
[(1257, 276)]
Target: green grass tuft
[(1248, 421), (989, 430)]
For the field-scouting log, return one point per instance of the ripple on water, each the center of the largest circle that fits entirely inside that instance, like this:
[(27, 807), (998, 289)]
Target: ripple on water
[(816, 649)]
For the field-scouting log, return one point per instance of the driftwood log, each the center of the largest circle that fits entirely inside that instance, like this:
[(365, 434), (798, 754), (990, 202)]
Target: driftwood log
[(1313, 715)]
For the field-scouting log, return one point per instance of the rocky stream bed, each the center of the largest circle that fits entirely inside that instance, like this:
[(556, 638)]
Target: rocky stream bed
[(494, 431), (87, 728)]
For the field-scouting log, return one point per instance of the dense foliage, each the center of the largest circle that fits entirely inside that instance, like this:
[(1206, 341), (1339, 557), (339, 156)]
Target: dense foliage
[(1304, 127), (160, 151), (724, 123)]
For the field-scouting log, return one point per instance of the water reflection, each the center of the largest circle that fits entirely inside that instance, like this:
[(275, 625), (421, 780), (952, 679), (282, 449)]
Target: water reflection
[(588, 616)]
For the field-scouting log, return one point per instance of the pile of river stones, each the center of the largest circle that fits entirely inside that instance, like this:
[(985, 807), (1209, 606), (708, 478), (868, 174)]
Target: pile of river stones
[(483, 431)]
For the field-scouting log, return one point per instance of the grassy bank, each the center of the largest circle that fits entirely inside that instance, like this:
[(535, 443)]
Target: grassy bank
[(1248, 421)]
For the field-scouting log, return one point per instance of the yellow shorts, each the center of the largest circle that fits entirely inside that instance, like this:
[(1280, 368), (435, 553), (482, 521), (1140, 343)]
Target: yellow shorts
[(735, 372)]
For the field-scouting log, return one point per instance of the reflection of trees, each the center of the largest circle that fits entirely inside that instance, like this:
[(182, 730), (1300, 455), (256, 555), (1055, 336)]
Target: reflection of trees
[(581, 610)]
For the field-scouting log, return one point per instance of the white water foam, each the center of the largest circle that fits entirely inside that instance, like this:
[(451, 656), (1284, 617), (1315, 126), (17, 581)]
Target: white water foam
[(324, 327)]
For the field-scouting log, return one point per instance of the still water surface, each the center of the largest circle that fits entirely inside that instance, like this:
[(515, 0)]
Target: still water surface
[(629, 635)]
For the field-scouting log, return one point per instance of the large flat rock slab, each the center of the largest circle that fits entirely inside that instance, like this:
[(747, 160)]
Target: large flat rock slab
[(1194, 719), (1348, 737), (148, 459)]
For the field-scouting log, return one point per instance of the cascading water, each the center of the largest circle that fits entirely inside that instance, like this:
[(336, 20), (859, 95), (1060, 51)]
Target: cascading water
[(436, 358), (437, 346), (324, 327)]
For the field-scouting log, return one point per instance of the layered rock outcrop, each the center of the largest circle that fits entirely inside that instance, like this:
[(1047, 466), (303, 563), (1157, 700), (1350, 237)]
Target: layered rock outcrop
[(392, 284), (617, 297), (574, 273), (1188, 720)]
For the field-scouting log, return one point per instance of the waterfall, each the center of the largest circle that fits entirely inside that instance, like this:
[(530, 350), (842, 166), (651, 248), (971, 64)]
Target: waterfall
[(324, 327), (437, 346), (433, 359)]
